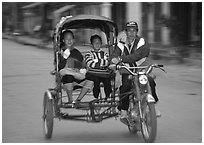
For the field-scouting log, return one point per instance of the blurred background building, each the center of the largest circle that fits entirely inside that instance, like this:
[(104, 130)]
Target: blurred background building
[(166, 23)]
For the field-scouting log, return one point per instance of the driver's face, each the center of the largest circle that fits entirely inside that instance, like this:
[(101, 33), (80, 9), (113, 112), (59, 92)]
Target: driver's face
[(131, 34)]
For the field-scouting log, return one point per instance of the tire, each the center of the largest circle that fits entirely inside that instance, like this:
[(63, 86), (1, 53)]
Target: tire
[(48, 117), (149, 122)]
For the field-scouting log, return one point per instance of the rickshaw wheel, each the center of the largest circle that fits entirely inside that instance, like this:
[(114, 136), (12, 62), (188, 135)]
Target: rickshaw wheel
[(48, 116)]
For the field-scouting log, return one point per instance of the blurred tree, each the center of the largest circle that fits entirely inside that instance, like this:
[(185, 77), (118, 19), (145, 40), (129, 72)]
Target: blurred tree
[(176, 35), (176, 32), (6, 14)]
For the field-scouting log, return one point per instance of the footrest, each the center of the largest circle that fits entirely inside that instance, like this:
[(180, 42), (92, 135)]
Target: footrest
[(94, 104), (67, 105), (82, 105)]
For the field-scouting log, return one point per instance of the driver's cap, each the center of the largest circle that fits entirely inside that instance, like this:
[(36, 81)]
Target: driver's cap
[(131, 24)]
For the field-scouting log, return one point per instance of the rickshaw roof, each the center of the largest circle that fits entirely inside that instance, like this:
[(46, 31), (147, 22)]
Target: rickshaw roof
[(87, 21)]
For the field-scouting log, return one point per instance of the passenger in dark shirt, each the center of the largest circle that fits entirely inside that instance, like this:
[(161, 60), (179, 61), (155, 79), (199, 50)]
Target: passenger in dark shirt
[(72, 60)]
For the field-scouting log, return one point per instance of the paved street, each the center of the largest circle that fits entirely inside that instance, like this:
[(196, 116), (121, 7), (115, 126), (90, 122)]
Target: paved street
[(25, 77)]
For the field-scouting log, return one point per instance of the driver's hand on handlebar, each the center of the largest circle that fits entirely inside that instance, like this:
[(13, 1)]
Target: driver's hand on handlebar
[(116, 60)]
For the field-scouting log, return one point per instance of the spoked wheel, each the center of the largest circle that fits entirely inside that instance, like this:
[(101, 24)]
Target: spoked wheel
[(149, 122), (48, 116)]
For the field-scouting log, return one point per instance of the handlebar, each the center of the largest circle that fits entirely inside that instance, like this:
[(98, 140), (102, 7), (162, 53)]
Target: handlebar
[(148, 68), (160, 65)]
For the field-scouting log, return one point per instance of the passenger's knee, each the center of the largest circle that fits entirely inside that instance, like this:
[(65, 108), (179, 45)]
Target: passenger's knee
[(89, 84), (68, 86)]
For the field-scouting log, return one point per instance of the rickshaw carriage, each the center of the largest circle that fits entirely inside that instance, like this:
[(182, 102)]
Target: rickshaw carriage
[(141, 112), (96, 109)]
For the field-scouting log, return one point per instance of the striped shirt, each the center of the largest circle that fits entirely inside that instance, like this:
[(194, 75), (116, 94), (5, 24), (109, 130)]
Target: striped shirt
[(96, 59)]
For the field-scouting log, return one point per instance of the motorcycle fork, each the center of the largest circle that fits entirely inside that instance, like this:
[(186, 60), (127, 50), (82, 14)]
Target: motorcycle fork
[(137, 96), (141, 95)]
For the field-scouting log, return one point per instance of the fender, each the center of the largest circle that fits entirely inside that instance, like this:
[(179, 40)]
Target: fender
[(49, 95), (147, 98), (150, 98)]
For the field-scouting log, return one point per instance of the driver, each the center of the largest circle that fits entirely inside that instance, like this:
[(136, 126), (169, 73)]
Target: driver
[(133, 51), (71, 67)]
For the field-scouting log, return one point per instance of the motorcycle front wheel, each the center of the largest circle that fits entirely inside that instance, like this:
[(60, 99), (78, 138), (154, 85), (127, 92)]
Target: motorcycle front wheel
[(149, 122)]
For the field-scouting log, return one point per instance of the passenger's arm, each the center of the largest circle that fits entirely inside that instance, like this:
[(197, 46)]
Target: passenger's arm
[(116, 52), (106, 59), (62, 62), (90, 62)]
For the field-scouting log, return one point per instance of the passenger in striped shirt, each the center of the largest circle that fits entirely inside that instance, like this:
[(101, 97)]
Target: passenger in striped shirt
[(98, 59)]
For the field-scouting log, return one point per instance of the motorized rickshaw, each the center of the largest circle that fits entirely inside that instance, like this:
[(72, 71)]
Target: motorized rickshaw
[(142, 116)]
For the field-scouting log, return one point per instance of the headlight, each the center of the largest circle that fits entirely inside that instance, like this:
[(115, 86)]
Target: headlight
[(143, 79)]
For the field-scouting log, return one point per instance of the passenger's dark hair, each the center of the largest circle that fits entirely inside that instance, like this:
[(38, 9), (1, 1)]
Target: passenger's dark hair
[(95, 37), (67, 31)]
